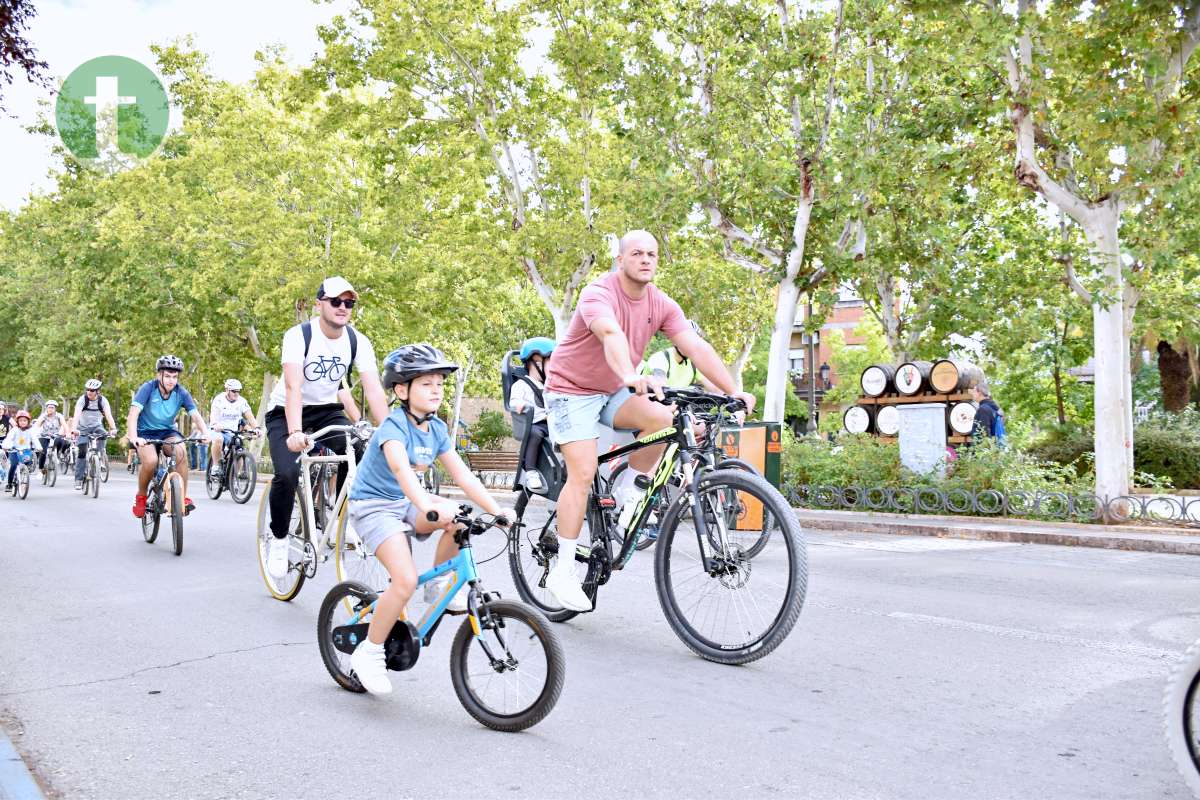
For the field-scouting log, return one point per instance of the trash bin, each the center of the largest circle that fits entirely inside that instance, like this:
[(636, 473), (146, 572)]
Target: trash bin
[(760, 444)]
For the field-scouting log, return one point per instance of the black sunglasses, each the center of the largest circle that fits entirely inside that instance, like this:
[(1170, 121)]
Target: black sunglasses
[(338, 302)]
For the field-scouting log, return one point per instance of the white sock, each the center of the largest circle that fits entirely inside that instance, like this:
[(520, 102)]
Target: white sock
[(626, 478), (368, 645), (566, 554)]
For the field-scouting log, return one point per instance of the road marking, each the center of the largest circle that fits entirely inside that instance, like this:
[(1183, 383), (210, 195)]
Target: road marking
[(1038, 636), (916, 545)]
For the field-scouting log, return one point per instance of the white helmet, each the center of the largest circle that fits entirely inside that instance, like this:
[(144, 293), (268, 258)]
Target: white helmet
[(94, 383), (51, 404), (233, 385)]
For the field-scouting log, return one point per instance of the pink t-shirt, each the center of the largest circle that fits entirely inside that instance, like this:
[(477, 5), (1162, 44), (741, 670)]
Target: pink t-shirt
[(578, 365)]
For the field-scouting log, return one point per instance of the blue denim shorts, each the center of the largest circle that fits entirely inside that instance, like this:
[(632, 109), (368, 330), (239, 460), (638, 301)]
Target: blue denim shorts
[(575, 417)]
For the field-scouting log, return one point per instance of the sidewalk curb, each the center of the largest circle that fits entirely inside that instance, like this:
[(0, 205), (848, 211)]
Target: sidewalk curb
[(16, 781), (1147, 540)]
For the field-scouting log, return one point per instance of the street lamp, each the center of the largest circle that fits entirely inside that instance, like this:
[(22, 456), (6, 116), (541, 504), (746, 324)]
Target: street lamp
[(825, 375)]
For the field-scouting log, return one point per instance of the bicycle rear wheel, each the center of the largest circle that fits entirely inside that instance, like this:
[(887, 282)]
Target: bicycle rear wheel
[(342, 603), (176, 509), (724, 606), (244, 478), (1181, 711), (354, 561), (289, 586), (214, 482), (509, 675), (532, 551)]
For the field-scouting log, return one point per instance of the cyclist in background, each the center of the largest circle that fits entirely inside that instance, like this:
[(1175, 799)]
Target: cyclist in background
[(92, 410), (226, 411), (152, 416), (52, 432), (527, 393), (674, 368), (19, 444), (317, 354)]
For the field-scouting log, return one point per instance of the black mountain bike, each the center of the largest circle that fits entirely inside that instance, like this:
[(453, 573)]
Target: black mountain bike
[(165, 496), (724, 602), (236, 471)]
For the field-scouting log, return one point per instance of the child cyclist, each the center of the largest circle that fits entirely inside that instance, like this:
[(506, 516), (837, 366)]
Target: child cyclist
[(20, 443), (387, 500)]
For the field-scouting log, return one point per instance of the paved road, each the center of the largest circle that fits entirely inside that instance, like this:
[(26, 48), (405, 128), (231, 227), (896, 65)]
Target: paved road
[(920, 668)]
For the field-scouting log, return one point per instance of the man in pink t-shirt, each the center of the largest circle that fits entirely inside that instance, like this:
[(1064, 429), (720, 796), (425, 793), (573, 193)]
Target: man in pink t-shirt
[(593, 380)]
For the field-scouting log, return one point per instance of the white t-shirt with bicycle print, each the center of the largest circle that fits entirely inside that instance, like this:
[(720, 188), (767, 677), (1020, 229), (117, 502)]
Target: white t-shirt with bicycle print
[(327, 363)]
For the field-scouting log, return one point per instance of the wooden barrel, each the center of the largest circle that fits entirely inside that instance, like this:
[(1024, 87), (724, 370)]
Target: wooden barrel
[(887, 421), (961, 417), (876, 380), (912, 377), (858, 419), (950, 375)]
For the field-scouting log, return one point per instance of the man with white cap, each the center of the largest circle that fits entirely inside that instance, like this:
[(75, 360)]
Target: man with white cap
[(317, 354)]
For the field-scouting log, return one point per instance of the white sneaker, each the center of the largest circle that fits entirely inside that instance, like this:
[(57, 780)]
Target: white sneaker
[(437, 587), (370, 665), (277, 558), (567, 589)]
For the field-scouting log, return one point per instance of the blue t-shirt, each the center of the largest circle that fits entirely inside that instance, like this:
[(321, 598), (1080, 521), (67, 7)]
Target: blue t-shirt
[(374, 479), (156, 413)]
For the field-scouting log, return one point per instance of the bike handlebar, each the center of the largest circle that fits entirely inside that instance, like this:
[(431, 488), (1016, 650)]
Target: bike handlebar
[(358, 429), (698, 398), (475, 524)]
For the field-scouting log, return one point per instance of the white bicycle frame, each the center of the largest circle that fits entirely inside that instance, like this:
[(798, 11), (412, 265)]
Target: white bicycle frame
[(323, 545)]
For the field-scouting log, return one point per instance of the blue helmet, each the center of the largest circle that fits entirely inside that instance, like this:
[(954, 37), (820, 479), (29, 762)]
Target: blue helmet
[(539, 345)]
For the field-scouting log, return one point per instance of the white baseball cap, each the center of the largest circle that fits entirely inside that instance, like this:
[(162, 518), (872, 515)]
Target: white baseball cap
[(335, 287)]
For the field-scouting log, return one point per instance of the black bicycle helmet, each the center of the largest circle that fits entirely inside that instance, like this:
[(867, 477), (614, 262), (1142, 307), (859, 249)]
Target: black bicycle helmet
[(169, 362), (405, 363)]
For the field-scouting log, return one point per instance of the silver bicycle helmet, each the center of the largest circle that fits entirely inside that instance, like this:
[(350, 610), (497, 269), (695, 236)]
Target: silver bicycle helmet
[(233, 385), (169, 362), (94, 383)]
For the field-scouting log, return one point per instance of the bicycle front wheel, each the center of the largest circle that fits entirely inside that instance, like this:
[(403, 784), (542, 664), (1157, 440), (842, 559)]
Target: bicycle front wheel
[(507, 666), (93, 469), (1181, 708), (22, 481), (245, 478), (289, 586), (724, 606), (176, 508), (51, 471), (150, 517), (104, 466), (354, 561)]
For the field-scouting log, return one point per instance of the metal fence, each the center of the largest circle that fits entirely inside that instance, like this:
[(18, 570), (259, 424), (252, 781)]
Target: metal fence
[(1167, 510)]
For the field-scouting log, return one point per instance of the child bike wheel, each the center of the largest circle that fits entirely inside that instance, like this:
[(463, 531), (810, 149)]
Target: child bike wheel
[(212, 480), (507, 667), (1181, 710), (23, 481), (338, 608), (245, 478), (289, 586), (177, 513), (527, 561)]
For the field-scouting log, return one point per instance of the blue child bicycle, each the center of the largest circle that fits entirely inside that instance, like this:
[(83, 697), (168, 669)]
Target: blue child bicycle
[(506, 663)]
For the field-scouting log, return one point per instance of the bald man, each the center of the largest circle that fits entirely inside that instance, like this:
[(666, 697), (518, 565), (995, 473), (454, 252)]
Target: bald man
[(593, 380)]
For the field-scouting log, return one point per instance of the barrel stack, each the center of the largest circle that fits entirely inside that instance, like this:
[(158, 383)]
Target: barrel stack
[(886, 387)]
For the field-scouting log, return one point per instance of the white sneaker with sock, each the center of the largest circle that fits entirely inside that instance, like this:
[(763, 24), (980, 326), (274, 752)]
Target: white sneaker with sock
[(564, 583), (437, 587), (369, 664), (277, 558)]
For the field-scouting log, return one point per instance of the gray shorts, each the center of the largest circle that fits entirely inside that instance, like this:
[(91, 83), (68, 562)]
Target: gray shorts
[(376, 521), (575, 417)]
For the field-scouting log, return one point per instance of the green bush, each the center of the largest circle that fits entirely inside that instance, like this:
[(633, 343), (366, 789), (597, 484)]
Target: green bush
[(851, 460), (489, 430), (1166, 449)]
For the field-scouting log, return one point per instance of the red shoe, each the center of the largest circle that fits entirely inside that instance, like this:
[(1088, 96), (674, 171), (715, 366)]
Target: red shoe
[(139, 506), (188, 506)]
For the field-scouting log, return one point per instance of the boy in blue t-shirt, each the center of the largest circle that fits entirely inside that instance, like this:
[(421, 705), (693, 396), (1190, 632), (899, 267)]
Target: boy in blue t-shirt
[(152, 416), (388, 501)]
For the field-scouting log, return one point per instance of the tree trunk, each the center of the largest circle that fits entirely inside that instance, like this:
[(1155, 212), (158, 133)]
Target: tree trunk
[(778, 385), (1113, 399), (1175, 376), (255, 446), (739, 363)]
